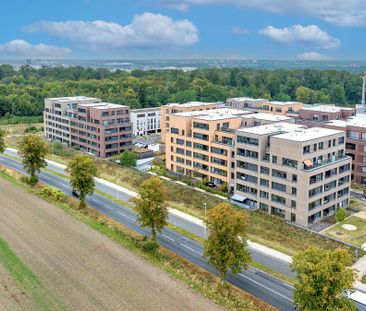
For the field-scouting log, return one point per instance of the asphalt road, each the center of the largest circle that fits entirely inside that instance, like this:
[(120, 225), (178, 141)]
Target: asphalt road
[(253, 281)]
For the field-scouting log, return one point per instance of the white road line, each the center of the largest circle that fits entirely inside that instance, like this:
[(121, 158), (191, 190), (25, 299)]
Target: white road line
[(124, 215), (168, 237), (191, 249), (271, 290)]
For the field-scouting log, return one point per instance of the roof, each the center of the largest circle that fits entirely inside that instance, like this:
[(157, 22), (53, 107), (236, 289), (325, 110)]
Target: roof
[(193, 104), (271, 128), (267, 117), (306, 134), (327, 108), (247, 99), (142, 110), (356, 121), (73, 98), (287, 103), (213, 114), (103, 106)]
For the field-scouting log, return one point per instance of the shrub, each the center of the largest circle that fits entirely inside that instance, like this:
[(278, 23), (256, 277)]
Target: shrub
[(149, 246), (53, 194)]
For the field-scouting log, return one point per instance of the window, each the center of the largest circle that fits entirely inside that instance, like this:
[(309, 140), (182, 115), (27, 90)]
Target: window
[(264, 182), (278, 199), (341, 140), (294, 191), (217, 171), (174, 130), (180, 141), (294, 178), (188, 143), (315, 178), (200, 147), (247, 153), (180, 160), (321, 146), (105, 114), (188, 153), (218, 161), (180, 151), (278, 212), (306, 149), (247, 189), (247, 140), (247, 166), (344, 168), (200, 156), (279, 174), (198, 125), (247, 177), (263, 207), (200, 136), (279, 187), (293, 204), (218, 151), (274, 159), (289, 162), (353, 135), (315, 191), (314, 204), (264, 170), (264, 194)]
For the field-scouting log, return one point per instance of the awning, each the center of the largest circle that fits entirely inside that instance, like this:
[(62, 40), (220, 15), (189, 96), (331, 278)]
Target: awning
[(308, 163), (238, 197)]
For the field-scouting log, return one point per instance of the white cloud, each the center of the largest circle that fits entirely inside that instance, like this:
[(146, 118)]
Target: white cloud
[(310, 35), (337, 12), (312, 56), (239, 31), (21, 48), (146, 30)]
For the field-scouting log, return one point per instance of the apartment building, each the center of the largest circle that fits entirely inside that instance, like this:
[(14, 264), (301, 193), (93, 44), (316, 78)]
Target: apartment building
[(145, 121), (257, 119), (200, 144), (318, 115), (246, 103), (297, 173), (355, 128), (87, 124), (170, 109), (287, 108)]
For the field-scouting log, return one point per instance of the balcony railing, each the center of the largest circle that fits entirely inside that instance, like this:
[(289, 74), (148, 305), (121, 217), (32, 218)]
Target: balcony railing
[(318, 164)]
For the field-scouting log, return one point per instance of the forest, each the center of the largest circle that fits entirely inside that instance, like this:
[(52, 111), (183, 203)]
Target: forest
[(22, 92)]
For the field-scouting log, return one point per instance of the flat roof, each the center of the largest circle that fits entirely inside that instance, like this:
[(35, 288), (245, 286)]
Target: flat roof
[(245, 99), (267, 117), (356, 121), (271, 128), (308, 134), (213, 114), (193, 104), (73, 98), (286, 103), (103, 105), (326, 108), (145, 109)]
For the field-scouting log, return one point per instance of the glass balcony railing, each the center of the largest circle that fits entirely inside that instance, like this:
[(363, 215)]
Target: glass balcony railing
[(321, 163)]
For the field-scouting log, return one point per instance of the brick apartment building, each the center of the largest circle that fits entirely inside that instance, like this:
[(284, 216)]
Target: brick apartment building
[(318, 115), (170, 109), (355, 128), (87, 124), (299, 174)]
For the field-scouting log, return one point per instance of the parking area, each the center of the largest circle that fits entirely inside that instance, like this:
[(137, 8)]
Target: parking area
[(150, 139)]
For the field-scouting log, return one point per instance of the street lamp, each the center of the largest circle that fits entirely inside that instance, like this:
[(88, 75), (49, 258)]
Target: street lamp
[(205, 229)]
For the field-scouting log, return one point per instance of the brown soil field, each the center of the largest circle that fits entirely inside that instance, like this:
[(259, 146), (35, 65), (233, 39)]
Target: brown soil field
[(82, 268)]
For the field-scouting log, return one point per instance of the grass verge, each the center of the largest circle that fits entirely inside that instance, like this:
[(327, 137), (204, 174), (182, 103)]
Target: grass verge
[(27, 279), (181, 269)]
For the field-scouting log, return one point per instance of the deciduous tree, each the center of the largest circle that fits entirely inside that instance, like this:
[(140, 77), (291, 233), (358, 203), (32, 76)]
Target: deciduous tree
[(151, 205), (33, 150), (323, 278), (2, 141), (128, 159), (82, 172), (225, 247)]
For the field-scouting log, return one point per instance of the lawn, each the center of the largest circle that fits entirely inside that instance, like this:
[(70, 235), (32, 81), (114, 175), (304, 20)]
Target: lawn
[(357, 237)]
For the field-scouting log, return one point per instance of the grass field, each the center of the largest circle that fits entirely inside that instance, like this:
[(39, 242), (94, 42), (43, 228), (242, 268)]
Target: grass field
[(357, 237)]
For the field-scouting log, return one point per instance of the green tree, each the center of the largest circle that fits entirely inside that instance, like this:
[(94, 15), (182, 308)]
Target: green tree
[(340, 215), (338, 94), (82, 170), (128, 159), (323, 277), (33, 150), (151, 205), (305, 95), (225, 246), (2, 141)]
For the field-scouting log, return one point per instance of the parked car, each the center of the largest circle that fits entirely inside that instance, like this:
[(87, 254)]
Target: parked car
[(75, 194)]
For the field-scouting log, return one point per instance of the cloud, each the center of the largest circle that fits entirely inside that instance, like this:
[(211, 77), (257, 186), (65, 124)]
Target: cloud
[(312, 56), (145, 31), (310, 35), (239, 31), (337, 12), (21, 48)]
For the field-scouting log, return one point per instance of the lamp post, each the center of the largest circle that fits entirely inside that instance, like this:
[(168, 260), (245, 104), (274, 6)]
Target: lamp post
[(205, 228)]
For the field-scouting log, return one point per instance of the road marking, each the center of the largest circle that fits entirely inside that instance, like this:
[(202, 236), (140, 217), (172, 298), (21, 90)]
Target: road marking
[(191, 249), (271, 290), (168, 237), (124, 215)]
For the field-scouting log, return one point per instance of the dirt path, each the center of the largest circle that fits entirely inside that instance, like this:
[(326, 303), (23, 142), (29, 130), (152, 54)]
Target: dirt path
[(84, 269)]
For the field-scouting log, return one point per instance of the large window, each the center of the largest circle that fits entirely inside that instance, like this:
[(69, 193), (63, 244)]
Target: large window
[(247, 140), (289, 162), (200, 136), (247, 153), (247, 166), (174, 130), (278, 212), (279, 174), (278, 199), (200, 147), (279, 187), (198, 125), (218, 151)]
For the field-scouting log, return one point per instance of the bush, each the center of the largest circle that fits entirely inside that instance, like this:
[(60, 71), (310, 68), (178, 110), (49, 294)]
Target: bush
[(128, 159), (53, 194), (33, 129), (149, 246)]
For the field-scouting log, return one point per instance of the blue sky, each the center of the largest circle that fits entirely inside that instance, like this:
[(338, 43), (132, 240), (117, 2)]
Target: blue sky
[(137, 29)]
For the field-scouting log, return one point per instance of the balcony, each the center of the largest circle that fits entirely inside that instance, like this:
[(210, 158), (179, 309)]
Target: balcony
[(318, 164)]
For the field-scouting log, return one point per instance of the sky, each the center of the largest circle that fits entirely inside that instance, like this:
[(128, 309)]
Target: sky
[(160, 29)]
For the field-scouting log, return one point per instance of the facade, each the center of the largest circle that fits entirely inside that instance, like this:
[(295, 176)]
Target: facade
[(200, 143), (145, 121), (287, 170), (282, 108), (355, 128), (170, 109), (87, 124), (318, 115), (246, 103)]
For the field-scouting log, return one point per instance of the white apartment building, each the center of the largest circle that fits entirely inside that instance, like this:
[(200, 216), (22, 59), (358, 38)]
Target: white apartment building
[(296, 173), (146, 121), (245, 102)]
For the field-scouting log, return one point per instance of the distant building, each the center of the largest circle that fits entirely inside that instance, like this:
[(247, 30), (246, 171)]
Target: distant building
[(145, 121), (256, 119), (318, 115), (170, 109), (301, 175), (246, 103), (355, 128), (283, 108), (87, 124)]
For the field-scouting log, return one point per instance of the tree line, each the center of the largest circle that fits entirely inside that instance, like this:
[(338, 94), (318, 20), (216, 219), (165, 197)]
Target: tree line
[(22, 92)]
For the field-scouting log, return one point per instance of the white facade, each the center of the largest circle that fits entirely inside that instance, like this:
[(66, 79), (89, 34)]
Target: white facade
[(145, 121)]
